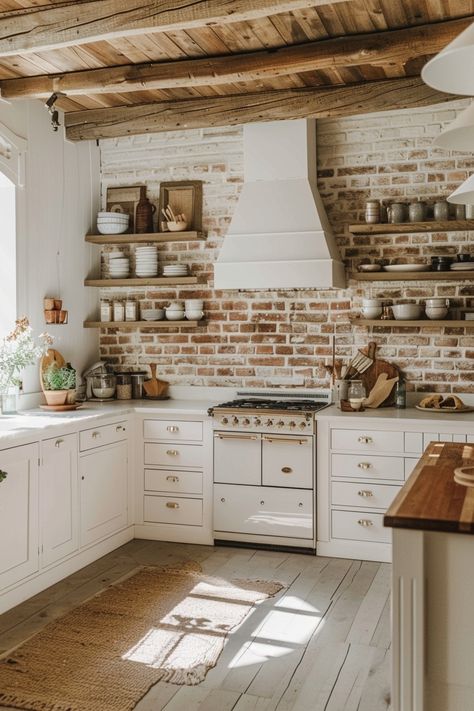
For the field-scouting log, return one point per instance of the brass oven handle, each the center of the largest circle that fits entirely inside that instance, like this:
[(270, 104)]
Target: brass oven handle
[(172, 505), (364, 465), (174, 479), (285, 439), (366, 493), (365, 522), (219, 435), (286, 470)]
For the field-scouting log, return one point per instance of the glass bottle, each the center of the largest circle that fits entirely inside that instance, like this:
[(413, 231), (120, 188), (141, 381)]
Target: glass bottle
[(401, 394)]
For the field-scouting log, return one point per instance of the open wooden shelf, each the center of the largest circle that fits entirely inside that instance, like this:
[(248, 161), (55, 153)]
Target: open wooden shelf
[(418, 323), (148, 237), (154, 281), (412, 276), (388, 228), (129, 325)]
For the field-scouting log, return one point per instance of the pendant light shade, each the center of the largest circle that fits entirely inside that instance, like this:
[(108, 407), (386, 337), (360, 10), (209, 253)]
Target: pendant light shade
[(464, 195), (459, 135), (451, 69)]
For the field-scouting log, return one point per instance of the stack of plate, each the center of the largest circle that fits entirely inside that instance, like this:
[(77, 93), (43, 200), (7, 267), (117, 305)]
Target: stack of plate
[(146, 261), (462, 266), (175, 270), (464, 476), (119, 267)]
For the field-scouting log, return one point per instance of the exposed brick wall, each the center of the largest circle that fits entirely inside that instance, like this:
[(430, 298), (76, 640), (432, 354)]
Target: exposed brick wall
[(284, 337)]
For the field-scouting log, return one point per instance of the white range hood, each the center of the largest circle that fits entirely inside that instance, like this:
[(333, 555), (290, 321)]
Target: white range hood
[(279, 236)]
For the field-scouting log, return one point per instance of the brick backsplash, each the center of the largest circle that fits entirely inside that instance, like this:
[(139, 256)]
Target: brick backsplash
[(268, 338)]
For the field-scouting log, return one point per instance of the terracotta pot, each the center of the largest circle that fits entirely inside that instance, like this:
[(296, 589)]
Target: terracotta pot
[(56, 397)]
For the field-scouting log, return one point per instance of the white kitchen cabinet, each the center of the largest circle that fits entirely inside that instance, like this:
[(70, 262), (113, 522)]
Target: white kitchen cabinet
[(58, 498), (18, 514), (104, 491), (172, 454)]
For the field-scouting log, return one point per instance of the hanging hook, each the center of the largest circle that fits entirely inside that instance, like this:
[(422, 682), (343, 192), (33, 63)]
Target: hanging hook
[(50, 105)]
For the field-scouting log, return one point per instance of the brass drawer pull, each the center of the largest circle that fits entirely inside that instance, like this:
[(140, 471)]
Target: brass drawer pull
[(96, 434), (365, 522), (286, 470), (58, 443), (120, 428), (365, 440), (366, 493), (172, 505), (364, 465), (172, 452), (172, 428), (174, 479)]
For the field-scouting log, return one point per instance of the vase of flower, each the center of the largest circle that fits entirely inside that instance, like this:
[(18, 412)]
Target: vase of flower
[(10, 400)]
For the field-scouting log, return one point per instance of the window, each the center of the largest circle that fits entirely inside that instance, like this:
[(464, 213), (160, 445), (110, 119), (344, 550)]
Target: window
[(8, 301)]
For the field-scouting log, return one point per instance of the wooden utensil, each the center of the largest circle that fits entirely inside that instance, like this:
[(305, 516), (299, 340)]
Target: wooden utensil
[(155, 387), (358, 365)]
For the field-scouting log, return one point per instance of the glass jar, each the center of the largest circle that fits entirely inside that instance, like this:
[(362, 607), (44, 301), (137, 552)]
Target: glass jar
[(131, 310), (10, 400), (105, 311), (124, 386), (401, 394), (119, 311), (356, 394)]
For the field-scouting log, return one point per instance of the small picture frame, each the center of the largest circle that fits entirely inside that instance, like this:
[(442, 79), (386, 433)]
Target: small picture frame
[(185, 197), (127, 197)]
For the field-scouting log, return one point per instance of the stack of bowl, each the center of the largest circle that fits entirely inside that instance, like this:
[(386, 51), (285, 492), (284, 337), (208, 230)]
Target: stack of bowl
[(175, 311), (112, 223), (436, 308), (372, 308), (193, 309), (119, 266), (146, 261)]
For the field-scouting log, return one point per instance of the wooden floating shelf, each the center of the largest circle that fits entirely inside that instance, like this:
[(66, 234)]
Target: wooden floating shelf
[(129, 325), (389, 228), (148, 237), (413, 276), (155, 281), (418, 323)]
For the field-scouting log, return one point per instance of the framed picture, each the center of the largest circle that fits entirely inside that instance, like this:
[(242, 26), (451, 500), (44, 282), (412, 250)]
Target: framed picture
[(184, 196), (127, 198)]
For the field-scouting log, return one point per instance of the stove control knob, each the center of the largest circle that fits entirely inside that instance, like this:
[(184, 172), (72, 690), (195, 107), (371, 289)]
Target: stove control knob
[(246, 421), (292, 424), (257, 421), (235, 420), (268, 423), (280, 423), (224, 421), (302, 425)]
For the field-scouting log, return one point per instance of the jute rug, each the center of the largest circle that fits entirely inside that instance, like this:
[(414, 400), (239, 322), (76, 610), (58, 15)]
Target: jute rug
[(165, 624)]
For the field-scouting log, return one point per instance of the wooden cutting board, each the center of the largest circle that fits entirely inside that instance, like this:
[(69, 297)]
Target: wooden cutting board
[(369, 378)]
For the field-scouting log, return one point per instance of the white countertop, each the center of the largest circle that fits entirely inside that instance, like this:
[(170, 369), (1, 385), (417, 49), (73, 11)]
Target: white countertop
[(393, 413)]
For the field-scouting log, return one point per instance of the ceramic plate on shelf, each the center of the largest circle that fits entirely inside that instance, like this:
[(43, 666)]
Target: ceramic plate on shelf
[(462, 266), (369, 268), (408, 268)]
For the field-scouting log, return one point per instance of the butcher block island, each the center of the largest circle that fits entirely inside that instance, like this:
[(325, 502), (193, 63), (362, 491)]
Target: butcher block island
[(433, 583)]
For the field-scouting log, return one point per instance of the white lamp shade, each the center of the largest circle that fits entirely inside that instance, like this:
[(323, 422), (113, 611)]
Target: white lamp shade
[(459, 135), (464, 195), (451, 69)]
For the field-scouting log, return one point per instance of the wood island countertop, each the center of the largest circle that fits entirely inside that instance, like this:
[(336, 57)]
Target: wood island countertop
[(431, 500)]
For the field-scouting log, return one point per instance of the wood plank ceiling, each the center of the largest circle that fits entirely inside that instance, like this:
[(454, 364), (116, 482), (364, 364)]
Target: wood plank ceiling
[(341, 63)]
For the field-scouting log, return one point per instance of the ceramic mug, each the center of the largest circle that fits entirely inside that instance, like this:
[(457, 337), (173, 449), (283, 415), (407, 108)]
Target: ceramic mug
[(397, 212), (417, 211)]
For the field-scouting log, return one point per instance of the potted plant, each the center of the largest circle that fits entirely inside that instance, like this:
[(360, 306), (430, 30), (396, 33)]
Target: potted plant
[(18, 350), (59, 384)]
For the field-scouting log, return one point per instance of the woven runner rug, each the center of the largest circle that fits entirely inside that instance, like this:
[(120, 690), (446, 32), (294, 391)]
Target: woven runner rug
[(166, 624)]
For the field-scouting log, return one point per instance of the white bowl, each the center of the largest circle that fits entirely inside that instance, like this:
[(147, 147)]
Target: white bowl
[(407, 312), (152, 314), (194, 315), (112, 229), (174, 315), (436, 312), (194, 304), (372, 312), (106, 214)]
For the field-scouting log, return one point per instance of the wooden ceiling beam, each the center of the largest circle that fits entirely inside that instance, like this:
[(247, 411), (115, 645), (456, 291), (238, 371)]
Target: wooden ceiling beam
[(46, 27), (246, 108), (395, 47)]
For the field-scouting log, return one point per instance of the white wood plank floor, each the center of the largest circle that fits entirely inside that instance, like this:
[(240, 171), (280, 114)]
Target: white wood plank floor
[(322, 644)]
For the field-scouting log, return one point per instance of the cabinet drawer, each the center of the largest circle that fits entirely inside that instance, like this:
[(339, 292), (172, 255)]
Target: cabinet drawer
[(367, 440), (56, 445), (175, 482), (287, 461), (172, 430), (374, 496), (105, 434), (165, 509), (174, 455), (367, 467), (263, 511), (359, 526)]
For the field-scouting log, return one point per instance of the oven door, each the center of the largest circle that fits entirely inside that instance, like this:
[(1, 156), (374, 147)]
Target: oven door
[(288, 461), (237, 458)]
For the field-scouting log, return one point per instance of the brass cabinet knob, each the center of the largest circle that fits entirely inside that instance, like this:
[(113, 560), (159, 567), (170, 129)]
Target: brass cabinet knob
[(365, 522), (366, 493), (363, 439), (172, 505)]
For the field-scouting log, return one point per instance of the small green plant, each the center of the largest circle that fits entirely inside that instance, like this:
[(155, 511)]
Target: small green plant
[(3, 475), (55, 378)]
